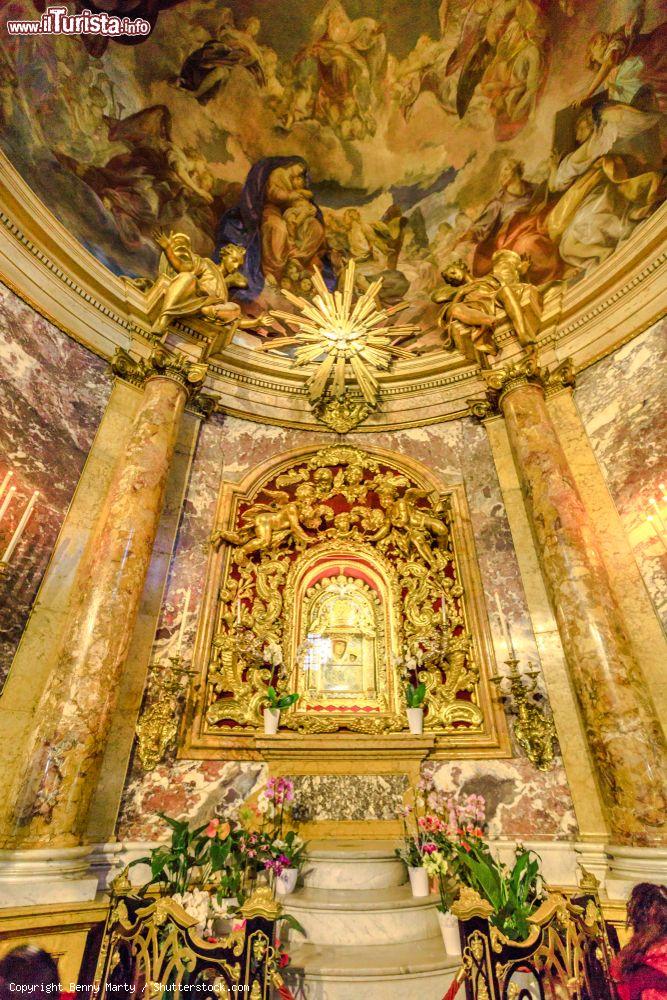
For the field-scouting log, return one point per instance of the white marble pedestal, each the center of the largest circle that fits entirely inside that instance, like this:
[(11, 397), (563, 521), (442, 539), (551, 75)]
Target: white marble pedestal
[(48, 875), (627, 866)]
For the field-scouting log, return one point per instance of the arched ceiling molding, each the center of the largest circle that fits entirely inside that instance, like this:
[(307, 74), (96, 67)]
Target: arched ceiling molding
[(47, 267)]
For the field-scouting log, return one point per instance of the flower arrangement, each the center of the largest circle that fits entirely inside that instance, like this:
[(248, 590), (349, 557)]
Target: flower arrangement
[(284, 850), (447, 840), (208, 866)]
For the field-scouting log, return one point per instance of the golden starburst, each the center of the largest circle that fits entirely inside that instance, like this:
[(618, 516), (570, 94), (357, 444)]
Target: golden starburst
[(343, 339)]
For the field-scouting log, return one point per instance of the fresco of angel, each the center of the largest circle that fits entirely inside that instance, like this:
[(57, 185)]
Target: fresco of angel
[(344, 64), (629, 65), (208, 68), (502, 52), (608, 182), (154, 181)]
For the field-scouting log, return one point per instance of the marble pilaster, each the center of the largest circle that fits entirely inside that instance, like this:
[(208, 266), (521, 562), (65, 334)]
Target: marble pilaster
[(49, 803), (577, 761), (621, 726)]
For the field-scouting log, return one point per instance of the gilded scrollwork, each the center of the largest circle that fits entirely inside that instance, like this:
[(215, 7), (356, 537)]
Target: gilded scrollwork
[(331, 518)]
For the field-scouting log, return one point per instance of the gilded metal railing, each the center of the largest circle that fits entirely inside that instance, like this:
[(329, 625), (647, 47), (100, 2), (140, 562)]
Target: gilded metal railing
[(565, 957), (151, 948)]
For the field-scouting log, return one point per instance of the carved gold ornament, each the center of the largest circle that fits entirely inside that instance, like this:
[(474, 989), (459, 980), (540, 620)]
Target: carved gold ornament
[(167, 364), (534, 728), (337, 574), (344, 341), (158, 724)]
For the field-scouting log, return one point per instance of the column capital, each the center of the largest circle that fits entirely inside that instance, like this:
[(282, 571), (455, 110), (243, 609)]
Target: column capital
[(525, 371), (160, 364), (203, 404)]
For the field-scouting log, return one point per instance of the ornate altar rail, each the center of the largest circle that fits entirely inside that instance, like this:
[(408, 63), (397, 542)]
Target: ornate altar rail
[(566, 955), (151, 948)]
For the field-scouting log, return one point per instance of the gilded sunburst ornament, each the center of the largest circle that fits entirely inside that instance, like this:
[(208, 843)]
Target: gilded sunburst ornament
[(343, 339)]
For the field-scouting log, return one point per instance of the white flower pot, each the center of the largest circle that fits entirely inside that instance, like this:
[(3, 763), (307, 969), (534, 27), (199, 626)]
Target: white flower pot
[(419, 881), (286, 881), (449, 928), (271, 721), (416, 721)]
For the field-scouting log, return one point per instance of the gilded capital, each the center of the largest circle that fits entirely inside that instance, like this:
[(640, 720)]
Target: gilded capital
[(161, 363), (521, 372), (525, 371)]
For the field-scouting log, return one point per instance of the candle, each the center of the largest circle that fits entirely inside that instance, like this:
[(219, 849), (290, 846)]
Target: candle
[(6, 502), (20, 528), (650, 519), (505, 628), (5, 483), (654, 504), (184, 618), (443, 608), (238, 611)]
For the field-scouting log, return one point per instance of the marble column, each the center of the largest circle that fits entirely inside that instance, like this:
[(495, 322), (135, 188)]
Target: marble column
[(48, 805), (622, 729)]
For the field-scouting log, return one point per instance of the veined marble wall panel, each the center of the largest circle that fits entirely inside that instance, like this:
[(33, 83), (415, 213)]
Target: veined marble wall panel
[(521, 802), (456, 452), (52, 396), (623, 403)]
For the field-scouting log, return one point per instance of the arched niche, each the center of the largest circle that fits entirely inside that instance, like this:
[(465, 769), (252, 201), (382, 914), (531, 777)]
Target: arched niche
[(306, 539)]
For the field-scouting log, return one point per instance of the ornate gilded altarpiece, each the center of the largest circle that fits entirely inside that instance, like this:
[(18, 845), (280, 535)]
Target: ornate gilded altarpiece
[(341, 573)]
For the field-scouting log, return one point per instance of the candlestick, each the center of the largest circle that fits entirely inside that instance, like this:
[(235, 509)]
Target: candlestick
[(6, 502), (181, 631), (5, 482), (20, 528)]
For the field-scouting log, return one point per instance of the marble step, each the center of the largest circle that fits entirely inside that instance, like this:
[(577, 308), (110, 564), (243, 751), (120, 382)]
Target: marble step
[(419, 970), (344, 917), (347, 864)]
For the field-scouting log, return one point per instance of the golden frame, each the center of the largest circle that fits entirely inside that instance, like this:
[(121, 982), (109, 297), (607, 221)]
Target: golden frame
[(330, 554), (490, 740)]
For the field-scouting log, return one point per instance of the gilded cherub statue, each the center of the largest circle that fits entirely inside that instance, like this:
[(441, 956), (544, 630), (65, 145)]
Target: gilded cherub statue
[(196, 286), (472, 308), (265, 526), (414, 527)]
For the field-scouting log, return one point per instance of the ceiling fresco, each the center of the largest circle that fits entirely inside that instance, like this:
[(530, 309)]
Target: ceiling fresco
[(404, 134)]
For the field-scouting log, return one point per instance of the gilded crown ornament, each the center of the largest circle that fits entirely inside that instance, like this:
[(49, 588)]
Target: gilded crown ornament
[(344, 340)]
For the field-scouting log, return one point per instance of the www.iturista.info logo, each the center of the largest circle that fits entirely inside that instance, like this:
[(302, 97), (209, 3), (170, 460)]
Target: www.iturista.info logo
[(59, 21)]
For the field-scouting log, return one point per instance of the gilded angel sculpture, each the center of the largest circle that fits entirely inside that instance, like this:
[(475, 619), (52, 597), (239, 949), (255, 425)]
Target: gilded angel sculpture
[(265, 526), (196, 286), (472, 308), (414, 527)]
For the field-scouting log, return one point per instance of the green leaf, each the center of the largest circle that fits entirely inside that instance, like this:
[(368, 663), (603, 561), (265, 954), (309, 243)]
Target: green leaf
[(291, 922), (287, 700)]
